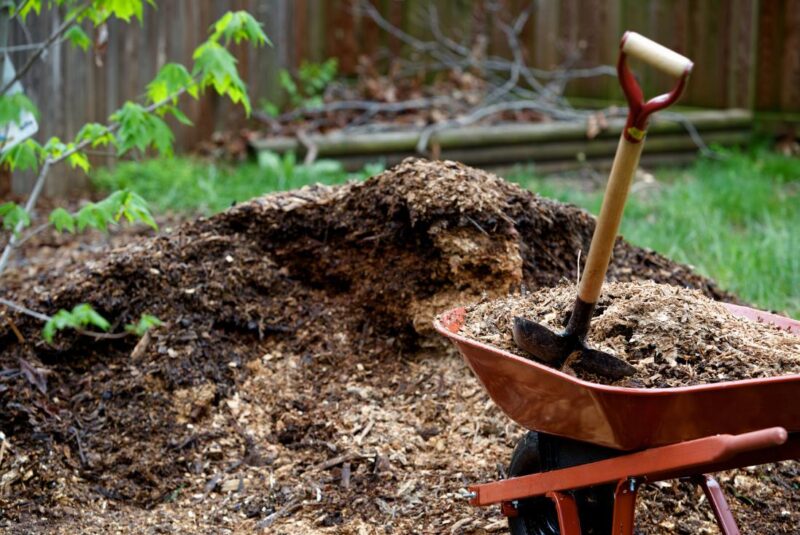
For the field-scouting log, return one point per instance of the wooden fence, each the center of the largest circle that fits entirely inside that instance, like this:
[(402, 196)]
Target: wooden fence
[(747, 52)]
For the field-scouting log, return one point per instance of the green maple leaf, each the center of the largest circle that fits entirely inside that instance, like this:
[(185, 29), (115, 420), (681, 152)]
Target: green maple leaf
[(239, 26), (62, 220), (78, 38), (170, 80), (140, 129), (13, 214), (120, 204), (26, 155), (97, 134), (215, 66), (80, 316), (145, 323), (26, 7), (12, 106)]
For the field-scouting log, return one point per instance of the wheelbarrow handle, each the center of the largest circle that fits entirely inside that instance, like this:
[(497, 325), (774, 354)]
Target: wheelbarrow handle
[(625, 162)]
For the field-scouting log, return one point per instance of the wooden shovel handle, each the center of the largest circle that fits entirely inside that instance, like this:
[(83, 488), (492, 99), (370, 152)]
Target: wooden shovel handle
[(659, 56), (605, 234)]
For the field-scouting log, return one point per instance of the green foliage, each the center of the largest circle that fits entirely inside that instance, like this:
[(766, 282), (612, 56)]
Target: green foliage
[(239, 26), (170, 80), (26, 7), (54, 149), (27, 155), (97, 134), (140, 129), (287, 171), (288, 84), (191, 185), (12, 106), (735, 219), (102, 10), (78, 159), (13, 214), (270, 108), (62, 220), (99, 215), (307, 89), (133, 126), (315, 77), (79, 317), (78, 38), (215, 67), (98, 11), (145, 323)]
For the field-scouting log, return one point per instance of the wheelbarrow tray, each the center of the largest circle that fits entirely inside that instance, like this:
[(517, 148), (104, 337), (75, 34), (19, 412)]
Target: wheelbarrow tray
[(544, 399)]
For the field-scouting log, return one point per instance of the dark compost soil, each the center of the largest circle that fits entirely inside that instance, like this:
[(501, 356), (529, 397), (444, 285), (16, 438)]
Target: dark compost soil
[(296, 386), (671, 335)]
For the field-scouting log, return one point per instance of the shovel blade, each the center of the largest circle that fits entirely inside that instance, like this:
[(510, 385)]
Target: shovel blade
[(602, 363), (554, 348), (541, 342)]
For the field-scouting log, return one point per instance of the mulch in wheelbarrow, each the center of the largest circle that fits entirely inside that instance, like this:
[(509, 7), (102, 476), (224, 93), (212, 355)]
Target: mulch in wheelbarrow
[(673, 336), (297, 386)]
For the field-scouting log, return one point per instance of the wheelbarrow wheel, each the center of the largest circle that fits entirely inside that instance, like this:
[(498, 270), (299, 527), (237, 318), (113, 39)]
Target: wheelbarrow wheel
[(538, 452)]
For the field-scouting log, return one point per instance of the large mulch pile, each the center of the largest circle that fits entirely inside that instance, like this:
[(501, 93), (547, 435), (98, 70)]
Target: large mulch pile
[(671, 335), (297, 386)]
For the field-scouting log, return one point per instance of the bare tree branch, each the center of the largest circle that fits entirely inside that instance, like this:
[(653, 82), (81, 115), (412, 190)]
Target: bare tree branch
[(504, 84), (55, 36)]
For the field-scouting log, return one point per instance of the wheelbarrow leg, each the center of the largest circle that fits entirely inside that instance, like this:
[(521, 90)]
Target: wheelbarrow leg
[(569, 522), (722, 512), (624, 506)]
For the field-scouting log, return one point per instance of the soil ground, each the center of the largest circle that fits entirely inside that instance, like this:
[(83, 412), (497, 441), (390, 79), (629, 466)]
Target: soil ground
[(297, 386)]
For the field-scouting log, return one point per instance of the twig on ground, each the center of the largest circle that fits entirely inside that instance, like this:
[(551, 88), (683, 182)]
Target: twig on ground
[(3, 446), (24, 310), (346, 475), (365, 431), (311, 148), (291, 506), (14, 329), (77, 436), (339, 459)]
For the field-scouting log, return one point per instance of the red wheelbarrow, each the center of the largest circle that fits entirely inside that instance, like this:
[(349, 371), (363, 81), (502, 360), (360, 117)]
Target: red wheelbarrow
[(591, 446), (594, 445)]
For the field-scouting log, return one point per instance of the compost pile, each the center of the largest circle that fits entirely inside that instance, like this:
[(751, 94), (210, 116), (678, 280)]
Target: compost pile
[(671, 335), (296, 385)]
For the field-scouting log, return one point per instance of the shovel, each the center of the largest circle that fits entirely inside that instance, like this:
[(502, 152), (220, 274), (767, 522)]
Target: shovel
[(554, 348)]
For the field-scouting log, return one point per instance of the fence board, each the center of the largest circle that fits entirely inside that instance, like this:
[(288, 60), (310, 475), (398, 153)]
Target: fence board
[(747, 52)]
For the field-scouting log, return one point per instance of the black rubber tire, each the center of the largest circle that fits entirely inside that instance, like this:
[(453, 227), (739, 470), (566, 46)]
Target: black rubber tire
[(537, 452), (537, 516)]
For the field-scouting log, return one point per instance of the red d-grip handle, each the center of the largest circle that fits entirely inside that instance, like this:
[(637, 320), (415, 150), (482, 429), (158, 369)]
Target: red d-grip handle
[(660, 57)]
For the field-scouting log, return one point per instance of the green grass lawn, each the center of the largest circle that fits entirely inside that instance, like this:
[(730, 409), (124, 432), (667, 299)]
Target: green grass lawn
[(735, 219), (196, 185)]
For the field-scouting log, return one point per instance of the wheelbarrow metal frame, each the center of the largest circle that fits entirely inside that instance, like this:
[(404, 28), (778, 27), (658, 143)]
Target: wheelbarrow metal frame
[(690, 459)]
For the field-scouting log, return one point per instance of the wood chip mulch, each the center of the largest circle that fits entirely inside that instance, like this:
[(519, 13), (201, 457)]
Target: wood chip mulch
[(297, 386), (671, 335)]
